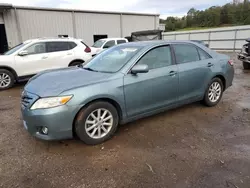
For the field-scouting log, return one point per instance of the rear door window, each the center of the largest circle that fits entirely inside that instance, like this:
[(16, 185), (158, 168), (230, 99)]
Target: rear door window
[(203, 54), (121, 41), (72, 45), (57, 46), (185, 53)]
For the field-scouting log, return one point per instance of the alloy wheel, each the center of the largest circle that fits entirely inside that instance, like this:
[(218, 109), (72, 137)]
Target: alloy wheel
[(214, 92), (5, 80), (99, 123)]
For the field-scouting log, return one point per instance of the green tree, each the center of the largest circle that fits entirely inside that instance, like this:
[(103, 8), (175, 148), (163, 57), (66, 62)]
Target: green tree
[(228, 14)]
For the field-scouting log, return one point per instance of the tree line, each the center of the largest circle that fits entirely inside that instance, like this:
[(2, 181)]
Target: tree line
[(235, 13)]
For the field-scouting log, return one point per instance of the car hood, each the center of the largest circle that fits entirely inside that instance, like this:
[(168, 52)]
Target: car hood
[(96, 50), (52, 83), (4, 58)]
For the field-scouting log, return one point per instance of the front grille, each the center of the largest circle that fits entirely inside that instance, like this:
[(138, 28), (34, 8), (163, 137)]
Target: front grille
[(27, 99), (245, 49)]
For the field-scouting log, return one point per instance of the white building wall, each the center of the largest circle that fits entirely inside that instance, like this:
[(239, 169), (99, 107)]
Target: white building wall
[(132, 23), (89, 24), (30, 23), (11, 28), (40, 23)]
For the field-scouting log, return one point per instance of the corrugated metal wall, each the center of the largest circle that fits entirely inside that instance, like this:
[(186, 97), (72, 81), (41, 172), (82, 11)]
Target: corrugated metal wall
[(89, 24), (227, 38), (37, 23), (1, 18), (11, 28), (132, 23), (34, 23)]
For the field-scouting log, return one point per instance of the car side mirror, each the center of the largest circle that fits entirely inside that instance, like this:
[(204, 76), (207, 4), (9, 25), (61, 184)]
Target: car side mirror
[(23, 53), (140, 69)]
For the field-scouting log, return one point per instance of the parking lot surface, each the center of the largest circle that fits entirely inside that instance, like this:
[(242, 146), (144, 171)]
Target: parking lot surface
[(191, 146)]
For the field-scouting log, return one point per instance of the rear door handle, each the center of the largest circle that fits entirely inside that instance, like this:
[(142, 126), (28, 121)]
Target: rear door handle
[(210, 64), (69, 53), (44, 57), (172, 73)]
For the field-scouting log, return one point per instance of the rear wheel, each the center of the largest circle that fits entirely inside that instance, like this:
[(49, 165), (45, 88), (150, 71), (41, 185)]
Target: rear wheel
[(214, 92), (7, 79), (75, 63), (246, 65), (96, 123)]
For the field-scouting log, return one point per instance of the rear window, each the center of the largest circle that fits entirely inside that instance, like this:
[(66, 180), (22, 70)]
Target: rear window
[(121, 41), (84, 44), (59, 46), (72, 45)]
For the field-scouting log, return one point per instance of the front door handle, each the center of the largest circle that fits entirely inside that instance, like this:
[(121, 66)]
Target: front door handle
[(210, 64), (69, 53), (172, 73)]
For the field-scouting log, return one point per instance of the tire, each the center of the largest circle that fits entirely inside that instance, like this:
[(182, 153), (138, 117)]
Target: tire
[(208, 100), (7, 79), (246, 65), (92, 136), (75, 63)]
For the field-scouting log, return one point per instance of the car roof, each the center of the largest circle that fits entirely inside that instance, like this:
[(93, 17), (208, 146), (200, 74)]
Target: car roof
[(157, 42), (113, 39), (52, 39), (152, 43)]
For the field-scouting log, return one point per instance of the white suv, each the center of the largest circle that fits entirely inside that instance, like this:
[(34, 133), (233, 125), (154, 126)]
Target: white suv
[(33, 56), (105, 43)]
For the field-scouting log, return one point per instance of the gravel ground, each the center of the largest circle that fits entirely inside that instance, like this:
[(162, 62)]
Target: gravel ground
[(192, 146)]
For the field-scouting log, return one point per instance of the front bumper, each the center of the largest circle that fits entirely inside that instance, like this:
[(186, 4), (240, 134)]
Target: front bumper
[(244, 57), (58, 120)]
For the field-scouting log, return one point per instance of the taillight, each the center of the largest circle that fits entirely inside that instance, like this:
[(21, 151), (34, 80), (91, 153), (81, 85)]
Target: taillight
[(230, 62), (87, 49)]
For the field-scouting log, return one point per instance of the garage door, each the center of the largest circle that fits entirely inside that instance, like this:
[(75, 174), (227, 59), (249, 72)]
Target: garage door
[(1, 18)]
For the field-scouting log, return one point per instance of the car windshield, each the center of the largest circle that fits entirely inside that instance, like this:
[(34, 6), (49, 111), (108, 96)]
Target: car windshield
[(99, 43), (14, 49), (113, 59)]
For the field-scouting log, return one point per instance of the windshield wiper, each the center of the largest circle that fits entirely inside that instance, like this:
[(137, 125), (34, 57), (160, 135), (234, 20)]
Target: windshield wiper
[(89, 69)]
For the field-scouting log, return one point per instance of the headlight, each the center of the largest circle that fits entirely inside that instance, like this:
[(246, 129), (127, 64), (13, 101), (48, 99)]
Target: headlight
[(50, 102)]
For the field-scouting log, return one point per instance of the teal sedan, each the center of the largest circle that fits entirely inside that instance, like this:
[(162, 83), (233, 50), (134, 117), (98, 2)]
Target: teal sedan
[(122, 84)]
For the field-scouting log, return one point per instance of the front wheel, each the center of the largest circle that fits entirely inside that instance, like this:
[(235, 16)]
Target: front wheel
[(7, 79), (75, 63), (246, 65), (96, 123), (214, 92)]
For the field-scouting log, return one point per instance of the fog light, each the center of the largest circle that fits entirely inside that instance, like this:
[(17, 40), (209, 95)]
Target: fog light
[(45, 130)]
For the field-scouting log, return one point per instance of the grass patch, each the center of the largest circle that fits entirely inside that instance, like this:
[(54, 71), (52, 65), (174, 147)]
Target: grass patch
[(201, 28)]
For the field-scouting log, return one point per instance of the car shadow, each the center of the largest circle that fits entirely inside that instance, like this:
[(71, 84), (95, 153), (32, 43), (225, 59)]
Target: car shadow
[(120, 137)]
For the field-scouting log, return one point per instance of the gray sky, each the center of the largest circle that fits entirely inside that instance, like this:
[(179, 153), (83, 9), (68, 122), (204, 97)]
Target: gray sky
[(163, 7)]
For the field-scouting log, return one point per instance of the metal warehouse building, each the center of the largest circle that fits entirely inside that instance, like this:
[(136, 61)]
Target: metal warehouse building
[(21, 23)]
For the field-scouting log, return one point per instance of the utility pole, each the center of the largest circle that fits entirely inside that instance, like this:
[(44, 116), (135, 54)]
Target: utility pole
[(237, 1)]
